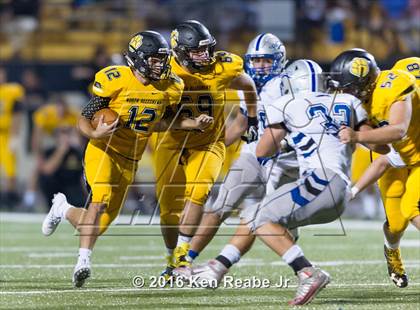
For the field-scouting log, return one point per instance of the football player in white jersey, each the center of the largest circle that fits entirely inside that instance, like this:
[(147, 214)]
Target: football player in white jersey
[(250, 177), (312, 119)]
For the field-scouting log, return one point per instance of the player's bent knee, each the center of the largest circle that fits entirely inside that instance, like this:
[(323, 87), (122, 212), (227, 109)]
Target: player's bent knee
[(170, 219), (397, 227)]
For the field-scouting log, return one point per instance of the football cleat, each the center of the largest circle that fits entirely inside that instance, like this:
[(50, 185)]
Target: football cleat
[(181, 258), (81, 272), (311, 281), (208, 275), (396, 269), (53, 217), (167, 273)]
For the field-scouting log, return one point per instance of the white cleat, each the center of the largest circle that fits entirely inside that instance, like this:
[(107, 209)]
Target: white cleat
[(53, 217), (311, 281), (208, 275), (81, 272)]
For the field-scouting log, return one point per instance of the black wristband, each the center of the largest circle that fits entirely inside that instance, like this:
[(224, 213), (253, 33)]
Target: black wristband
[(252, 121)]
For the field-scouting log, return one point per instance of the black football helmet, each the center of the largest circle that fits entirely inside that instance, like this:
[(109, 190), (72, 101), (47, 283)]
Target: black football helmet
[(144, 45), (192, 36), (354, 72)]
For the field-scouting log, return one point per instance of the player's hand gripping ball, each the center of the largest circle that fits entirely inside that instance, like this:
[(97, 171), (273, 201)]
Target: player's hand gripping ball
[(109, 117)]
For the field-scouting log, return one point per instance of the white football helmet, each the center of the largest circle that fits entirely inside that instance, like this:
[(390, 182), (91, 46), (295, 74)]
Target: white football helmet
[(265, 45), (303, 75)]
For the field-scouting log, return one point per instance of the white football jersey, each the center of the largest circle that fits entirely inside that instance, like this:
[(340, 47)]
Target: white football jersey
[(313, 121), (270, 92)]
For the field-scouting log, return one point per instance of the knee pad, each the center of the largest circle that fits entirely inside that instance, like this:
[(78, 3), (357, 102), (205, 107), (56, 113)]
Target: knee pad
[(171, 219), (397, 225)]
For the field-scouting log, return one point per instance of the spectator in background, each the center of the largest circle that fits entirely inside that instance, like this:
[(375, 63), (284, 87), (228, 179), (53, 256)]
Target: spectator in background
[(310, 23), (337, 16), (11, 95), (19, 21), (60, 167), (413, 35), (35, 97), (47, 119), (86, 74)]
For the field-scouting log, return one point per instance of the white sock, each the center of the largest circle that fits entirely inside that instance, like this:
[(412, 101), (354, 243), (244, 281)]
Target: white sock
[(393, 246), (64, 209), (84, 254), (183, 239), (232, 253), (291, 254), (169, 251)]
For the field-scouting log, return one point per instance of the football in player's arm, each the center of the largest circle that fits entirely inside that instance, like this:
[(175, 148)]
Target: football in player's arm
[(140, 93)]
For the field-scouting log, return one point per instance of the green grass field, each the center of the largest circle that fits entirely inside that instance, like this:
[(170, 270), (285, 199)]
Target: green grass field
[(36, 271)]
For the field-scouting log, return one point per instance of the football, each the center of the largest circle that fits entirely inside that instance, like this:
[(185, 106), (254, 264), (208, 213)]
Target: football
[(109, 117)]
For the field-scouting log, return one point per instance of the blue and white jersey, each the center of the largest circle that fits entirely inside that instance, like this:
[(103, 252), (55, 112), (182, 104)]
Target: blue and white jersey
[(270, 92), (313, 121)]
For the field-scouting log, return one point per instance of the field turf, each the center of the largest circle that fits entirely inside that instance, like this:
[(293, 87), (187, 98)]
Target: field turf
[(35, 271)]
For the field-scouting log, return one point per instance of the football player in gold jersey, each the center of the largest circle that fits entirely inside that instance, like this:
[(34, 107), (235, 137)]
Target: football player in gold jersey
[(11, 95), (188, 163), (392, 173), (47, 120), (140, 93), (392, 100)]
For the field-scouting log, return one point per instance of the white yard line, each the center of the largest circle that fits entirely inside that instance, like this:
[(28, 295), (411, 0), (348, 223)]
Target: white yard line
[(250, 262), (169, 290), (7, 217)]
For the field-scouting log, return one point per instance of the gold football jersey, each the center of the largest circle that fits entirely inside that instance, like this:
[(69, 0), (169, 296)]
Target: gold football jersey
[(392, 86), (139, 107), (411, 65), (204, 93), (48, 119), (10, 93)]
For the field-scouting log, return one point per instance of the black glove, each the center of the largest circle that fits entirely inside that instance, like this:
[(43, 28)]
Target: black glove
[(251, 133)]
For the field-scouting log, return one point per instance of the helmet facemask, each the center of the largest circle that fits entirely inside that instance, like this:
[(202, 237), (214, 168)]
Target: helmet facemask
[(153, 67), (200, 58), (262, 75)]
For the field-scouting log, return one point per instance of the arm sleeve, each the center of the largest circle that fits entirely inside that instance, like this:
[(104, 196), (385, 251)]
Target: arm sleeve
[(95, 104)]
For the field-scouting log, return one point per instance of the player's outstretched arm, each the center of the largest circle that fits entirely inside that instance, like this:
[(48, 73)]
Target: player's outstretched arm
[(399, 120), (236, 129), (372, 174), (270, 142), (245, 83), (377, 148), (171, 122)]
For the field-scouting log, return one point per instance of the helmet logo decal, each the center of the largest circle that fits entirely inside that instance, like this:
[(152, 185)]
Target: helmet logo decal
[(359, 67), (174, 38), (135, 43)]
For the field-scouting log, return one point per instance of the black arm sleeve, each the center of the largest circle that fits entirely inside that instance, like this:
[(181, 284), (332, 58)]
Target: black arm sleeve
[(95, 104)]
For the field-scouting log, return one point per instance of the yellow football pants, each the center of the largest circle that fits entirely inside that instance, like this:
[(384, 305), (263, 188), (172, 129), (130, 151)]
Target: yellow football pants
[(7, 158), (108, 175), (187, 174), (400, 191)]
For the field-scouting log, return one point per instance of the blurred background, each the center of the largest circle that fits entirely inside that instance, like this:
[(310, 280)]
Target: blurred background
[(51, 49)]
